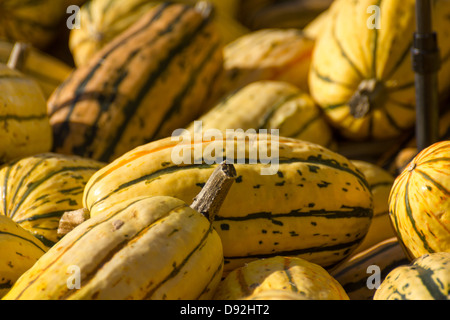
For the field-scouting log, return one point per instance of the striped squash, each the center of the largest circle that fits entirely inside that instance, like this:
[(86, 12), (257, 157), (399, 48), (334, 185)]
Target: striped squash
[(315, 27), (270, 105), (153, 78), (25, 128), (380, 184), (35, 191), (427, 278), (268, 54), (362, 76), (33, 21), (419, 202), (48, 71), (276, 294), (288, 274), (313, 204), (355, 273), (19, 251), (145, 248), (103, 20)]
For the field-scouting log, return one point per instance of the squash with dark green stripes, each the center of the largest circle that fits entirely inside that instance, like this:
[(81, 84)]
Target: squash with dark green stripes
[(419, 202), (291, 197), (426, 278), (364, 271), (35, 191), (25, 128), (267, 105), (380, 184), (145, 248), (155, 77), (361, 72), (36, 22), (287, 274), (267, 54), (103, 20), (19, 251)]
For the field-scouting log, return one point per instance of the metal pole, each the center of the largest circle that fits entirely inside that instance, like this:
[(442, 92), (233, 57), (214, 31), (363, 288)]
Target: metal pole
[(426, 64)]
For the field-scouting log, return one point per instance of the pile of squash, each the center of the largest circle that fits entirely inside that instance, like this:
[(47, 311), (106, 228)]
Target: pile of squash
[(93, 205)]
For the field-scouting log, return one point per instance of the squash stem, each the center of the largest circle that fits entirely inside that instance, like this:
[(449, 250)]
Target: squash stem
[(18, 56), (365, 97), (215, 190)]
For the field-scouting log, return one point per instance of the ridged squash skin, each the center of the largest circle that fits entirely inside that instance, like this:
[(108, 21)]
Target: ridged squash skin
[(268, 54), (145, 248), (419, 202), (270, 105), (426, 278), (103, 20), (48, 71), (35, 191), (140, 86), (313, 204), (19, 250), (289, 274), (35, 22), (380, 184), (362, 76), (25, 128), (358, 272)]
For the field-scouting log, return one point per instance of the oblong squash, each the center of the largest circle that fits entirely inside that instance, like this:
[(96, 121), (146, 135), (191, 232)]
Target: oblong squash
[(288, 274), (35, 191), (150, 80), (361, 72), (19, 251), (270, 105), (427, 278), (313, 204), (145, 248), (268, 54), (25, 128), (419, 202)]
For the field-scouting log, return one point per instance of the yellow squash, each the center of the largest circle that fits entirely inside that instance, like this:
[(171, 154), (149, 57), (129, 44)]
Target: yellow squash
[(145, 248), (419, 202), (313, 204), (361, 72), (270, 105), (25, 128), (380, 184), (35, 191), (19, 251), (268, 54), (363, 271), (288, 274)]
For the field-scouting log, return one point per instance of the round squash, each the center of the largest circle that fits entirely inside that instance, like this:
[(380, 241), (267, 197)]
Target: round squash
[(427, 278), (19, 251), (35, 191), (361, 72), (313, 204), (419, 202), (289, 274), (24, 123)]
